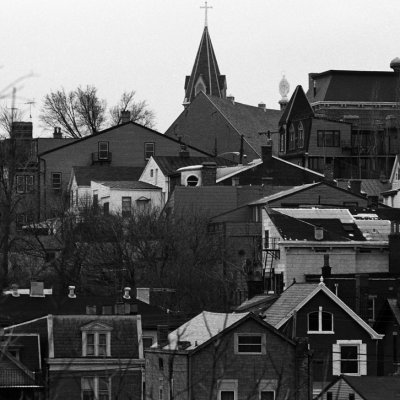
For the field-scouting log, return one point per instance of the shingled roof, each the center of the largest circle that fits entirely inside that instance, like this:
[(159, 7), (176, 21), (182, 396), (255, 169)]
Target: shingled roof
[(84, 175), (129, 185), (304, 229), (250, 121), (169, 164), (206, 67), (358, 86)]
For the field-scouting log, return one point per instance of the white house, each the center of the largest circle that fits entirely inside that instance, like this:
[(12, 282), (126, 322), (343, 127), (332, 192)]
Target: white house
[(125, 196)]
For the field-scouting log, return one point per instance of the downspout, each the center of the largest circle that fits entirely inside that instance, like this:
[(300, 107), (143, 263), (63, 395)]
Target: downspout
[(44, 185)]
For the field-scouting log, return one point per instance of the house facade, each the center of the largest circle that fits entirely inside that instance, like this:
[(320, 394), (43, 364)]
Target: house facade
[(89, 356), (341, 341), (227, 356)]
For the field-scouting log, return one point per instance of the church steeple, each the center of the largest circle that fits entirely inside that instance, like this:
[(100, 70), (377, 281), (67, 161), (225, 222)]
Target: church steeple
[(205, 73)]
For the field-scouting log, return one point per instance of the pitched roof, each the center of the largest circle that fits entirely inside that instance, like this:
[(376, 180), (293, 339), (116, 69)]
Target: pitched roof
[(291, 228), (206, 67), (370, 387), (358, 86), (374, 187), (202, 328), (299, 294), (129, 185), (84, 175), (297, 106), (248, 120), (170, 164)]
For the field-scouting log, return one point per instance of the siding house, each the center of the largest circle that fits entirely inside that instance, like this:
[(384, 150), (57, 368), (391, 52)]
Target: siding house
[(227, 356), (342, 342)]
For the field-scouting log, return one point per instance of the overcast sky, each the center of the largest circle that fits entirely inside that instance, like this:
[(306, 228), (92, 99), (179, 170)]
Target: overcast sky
[(150, 45)]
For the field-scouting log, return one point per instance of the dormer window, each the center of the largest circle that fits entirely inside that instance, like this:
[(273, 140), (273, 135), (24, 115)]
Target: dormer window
[(200, 86), (320, 322), (96, 340)]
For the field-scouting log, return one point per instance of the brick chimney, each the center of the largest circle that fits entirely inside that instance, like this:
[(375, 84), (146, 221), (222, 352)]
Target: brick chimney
[(355, 186), (266, 152), (22, 130), (162, 335), (209, 173), (326, 269), (57, 133), (125, 116), (184, 152)]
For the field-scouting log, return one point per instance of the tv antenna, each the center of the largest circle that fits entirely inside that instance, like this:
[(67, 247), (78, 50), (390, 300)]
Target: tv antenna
[(30, 102)]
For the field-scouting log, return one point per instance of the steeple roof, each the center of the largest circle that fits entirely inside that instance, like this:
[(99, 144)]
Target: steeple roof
[(205, 71)]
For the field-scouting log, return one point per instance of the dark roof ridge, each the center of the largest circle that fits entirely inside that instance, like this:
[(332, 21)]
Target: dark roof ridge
[(347, 71)]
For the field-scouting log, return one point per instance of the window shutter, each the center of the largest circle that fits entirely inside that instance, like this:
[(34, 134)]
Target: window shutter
[(335, 359), (362, 357)]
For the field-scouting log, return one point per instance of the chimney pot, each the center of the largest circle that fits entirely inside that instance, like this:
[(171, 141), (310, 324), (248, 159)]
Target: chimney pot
[(71, 293), (125, 116), (318, 233), (14, 290)]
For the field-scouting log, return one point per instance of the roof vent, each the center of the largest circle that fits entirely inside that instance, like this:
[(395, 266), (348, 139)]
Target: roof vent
[(71, 293), (262, 105), (14, 290), (126, 295), (318, 232), (231, 98)]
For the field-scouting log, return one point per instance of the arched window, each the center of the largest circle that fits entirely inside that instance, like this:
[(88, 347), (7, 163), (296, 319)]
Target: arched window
[(292, 138), (300, 134), (320, 321)]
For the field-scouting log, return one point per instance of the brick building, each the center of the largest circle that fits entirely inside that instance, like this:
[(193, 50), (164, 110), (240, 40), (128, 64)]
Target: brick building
[(227, 356)]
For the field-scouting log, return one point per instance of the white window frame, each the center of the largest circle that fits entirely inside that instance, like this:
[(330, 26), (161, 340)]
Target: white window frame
[(372, 298), (243, 334), (96, 385), (361, 353), (227, 385), (96, 329), (320, 330), (105, 152), (267, 385), (59, 185), (147, 151)]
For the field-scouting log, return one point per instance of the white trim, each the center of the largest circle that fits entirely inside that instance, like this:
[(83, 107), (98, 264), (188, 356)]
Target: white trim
[(93, 364), (225, 385), (267, 385), (361, 357), (263, 343), (140, 336), (96, 385), (340, 303), (50, 335), (11, 327), (320, 330)]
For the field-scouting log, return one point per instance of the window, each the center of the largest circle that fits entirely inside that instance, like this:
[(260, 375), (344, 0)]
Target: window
[(249, 343), (149, 150), (282, 142), (227, 389), (267, 388), (352, 396), (192, 180), (103, 150), (56, 180), (160, 389), (292, 138), (126, 206), (371, 307), (151, 173), (96, 388), (106, 208), (300, 133), (96, 340), (349, 357), (24, 183), (328, 138), (329, 396), (320, 322)]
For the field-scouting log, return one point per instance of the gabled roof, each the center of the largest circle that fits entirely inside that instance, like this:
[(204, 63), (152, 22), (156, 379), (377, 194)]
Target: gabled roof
[(249, 121), (206, 67), (357, 86), (297, 107), (291, 228), (128, 185), (169, 164), (369, 387), (299, 294), (84, 175), (208, 325), (152, 131)]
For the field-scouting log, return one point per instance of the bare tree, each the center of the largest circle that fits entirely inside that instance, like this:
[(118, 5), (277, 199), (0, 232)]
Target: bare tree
[(7, 117), (79, 112), (139, 111)]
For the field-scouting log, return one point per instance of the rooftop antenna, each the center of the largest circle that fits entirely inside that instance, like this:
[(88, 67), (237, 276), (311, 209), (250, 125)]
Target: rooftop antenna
[(30, 102), (206, 7)]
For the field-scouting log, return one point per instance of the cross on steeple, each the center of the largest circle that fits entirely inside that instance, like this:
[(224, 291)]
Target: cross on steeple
[(206, 7)]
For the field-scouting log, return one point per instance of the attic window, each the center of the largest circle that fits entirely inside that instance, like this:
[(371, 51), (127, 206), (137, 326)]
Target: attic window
[(200, 87), (192, 180)]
